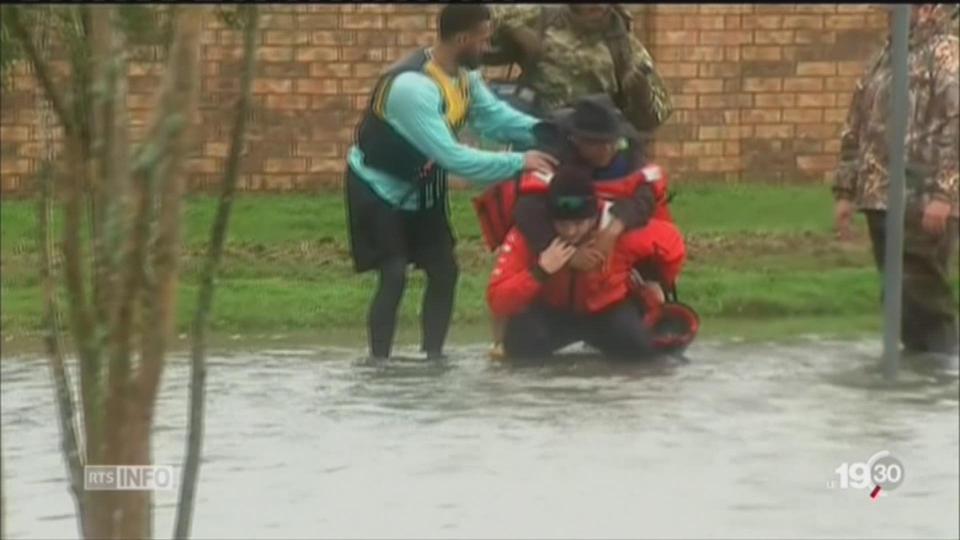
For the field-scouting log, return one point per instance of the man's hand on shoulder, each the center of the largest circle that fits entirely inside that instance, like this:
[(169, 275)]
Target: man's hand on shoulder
[(539, 161)]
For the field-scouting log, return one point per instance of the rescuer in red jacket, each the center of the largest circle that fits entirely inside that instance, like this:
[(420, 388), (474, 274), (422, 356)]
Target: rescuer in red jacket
[(549, 305)]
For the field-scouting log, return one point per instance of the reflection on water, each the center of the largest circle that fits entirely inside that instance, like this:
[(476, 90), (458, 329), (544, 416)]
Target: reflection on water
[(312, 443)]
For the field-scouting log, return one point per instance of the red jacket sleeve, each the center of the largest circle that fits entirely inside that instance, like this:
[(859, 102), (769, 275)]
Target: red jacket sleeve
[(660, 243), (512, 285)]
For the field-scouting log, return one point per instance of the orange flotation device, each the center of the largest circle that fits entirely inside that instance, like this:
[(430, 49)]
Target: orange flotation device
[(494, 207), (674, 326)]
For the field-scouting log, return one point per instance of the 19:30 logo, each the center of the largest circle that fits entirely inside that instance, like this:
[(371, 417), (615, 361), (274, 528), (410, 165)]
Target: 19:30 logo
[(881, 472)]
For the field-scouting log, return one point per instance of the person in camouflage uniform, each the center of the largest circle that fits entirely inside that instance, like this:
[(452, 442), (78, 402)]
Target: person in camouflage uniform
[(929, 322), (569, 52)]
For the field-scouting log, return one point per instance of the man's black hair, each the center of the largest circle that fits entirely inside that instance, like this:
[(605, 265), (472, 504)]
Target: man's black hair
[(457, 18)]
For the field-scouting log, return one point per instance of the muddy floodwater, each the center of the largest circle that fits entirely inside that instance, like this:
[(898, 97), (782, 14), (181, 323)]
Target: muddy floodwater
[(745, 442)]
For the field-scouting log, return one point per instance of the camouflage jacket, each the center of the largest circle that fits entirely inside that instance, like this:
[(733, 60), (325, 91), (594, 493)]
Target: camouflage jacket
[(573, 64), (932, 124)]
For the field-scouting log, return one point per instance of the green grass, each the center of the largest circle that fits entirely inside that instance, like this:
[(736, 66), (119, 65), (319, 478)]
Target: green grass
[(757, 208), (290, 219), (758, 253)]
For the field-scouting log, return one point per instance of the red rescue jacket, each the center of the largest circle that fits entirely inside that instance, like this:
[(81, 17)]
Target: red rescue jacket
[(495, 206), (513, 285)]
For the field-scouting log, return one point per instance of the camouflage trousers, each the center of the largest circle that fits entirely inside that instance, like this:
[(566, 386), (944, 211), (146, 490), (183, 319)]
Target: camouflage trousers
[(929, 317)]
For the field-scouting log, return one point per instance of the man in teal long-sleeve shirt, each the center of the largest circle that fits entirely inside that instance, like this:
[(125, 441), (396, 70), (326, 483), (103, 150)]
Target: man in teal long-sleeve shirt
[(396, 184)]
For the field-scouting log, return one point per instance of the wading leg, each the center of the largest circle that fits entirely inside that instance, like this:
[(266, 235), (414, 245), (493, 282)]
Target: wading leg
[(382, 317), (438, 298)]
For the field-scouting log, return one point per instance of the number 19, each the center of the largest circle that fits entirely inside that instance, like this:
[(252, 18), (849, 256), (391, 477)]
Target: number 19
[(856, 475)]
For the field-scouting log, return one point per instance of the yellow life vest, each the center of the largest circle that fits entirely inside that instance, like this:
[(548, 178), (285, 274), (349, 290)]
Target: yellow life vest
[(455, 92)]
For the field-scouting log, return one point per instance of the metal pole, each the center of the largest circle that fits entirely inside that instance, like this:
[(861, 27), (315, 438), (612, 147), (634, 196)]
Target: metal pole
[(893, 264)]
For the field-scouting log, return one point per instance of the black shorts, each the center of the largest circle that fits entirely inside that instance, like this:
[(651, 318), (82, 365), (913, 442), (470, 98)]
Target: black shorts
[(380, 232)]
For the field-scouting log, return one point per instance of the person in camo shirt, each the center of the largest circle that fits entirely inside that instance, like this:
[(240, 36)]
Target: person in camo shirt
[(571, 51), (929, 321)]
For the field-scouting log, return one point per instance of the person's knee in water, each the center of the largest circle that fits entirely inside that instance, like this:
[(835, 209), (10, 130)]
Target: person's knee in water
[(534, 334), (618, 332)]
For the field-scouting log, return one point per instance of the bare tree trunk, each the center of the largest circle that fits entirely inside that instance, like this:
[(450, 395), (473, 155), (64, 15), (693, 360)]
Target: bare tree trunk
[(109, 161), (198, 368)]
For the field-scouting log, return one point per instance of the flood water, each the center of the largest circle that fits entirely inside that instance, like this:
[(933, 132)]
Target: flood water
[(742, 442)]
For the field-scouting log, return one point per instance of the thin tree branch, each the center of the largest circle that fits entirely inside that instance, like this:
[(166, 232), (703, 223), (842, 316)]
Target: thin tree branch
[(80, 317), (79, 313), (178, 107), (218, 236), (3, 507), (145, 171), (99, 43), (41, 69), (54, 345), (79, 309), (158, 172), (117, 158)]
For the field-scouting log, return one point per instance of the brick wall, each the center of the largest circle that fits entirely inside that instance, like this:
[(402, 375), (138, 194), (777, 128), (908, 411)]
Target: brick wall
[(760, 90)]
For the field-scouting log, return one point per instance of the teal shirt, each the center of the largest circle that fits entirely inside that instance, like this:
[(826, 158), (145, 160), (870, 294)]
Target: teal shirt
[(414, 109)]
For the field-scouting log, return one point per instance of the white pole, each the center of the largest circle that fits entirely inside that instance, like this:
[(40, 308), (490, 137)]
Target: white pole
[(893, 265)]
